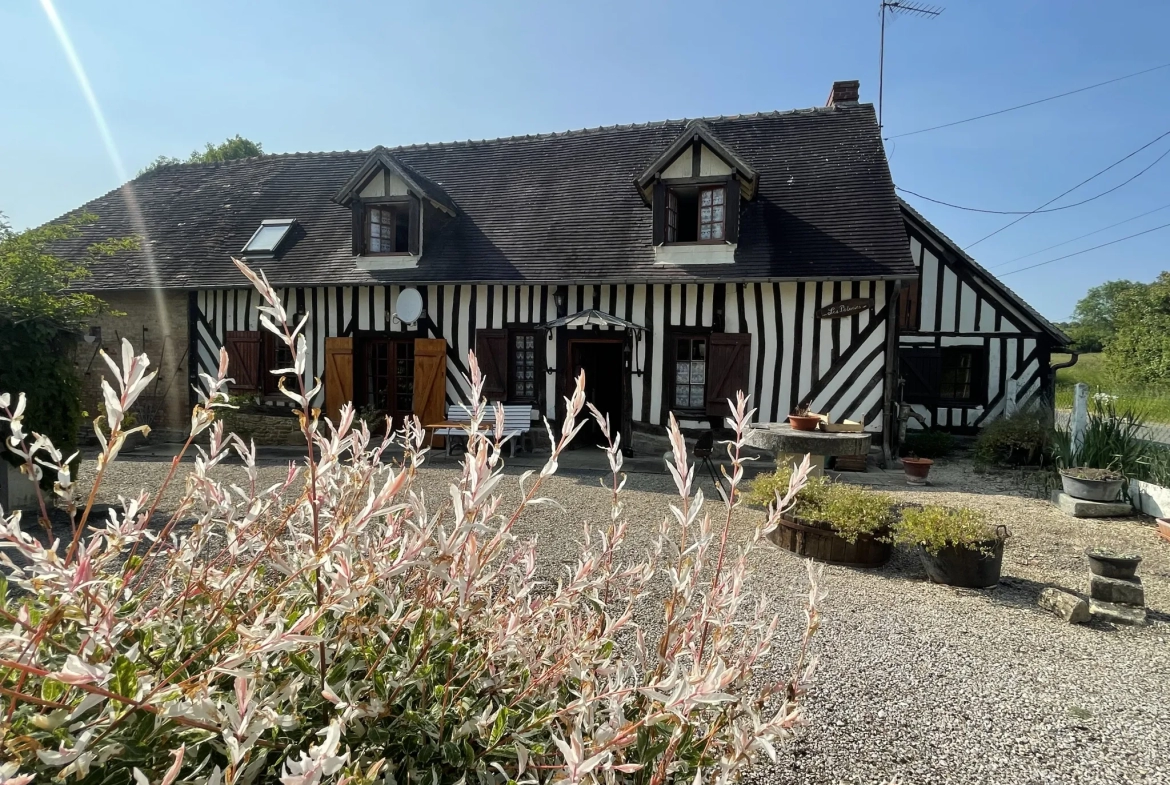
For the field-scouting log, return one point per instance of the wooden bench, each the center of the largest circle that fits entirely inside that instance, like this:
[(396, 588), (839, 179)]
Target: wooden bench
[(517, 422)]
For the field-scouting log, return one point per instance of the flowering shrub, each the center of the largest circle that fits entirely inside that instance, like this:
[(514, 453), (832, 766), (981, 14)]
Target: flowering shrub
[(338, 626)]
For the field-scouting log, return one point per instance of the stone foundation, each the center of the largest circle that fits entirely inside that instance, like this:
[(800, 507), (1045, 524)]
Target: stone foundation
[(265, 429)]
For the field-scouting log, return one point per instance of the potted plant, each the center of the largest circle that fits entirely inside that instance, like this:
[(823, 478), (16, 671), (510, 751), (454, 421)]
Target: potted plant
[(916, 469), (801, 420), (1112, 564), (957, 546), (1095, 485), (1164, 528), (831, 521)]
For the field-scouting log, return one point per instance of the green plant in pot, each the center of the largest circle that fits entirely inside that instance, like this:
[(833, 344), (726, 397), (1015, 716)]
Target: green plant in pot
[(1090, 484), (957, 545), (831, 521)]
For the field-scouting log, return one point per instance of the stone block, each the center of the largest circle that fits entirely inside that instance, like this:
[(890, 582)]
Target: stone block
[(1127, 591), (1118, 614), (1064, 604), (1080, 508)]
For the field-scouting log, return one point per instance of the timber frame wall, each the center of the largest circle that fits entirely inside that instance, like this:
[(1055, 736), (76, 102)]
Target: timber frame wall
[(836, 363), (963, 305)]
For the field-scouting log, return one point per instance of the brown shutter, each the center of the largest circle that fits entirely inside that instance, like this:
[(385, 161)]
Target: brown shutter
[(658, 207), (728, 370), (338, 375), (243, 348), (412, 244), (430, 382), (491, 351), (908, 304), (359, 227), (731, 211)]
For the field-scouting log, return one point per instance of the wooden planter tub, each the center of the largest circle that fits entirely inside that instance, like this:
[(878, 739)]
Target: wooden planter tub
[(823, 544)]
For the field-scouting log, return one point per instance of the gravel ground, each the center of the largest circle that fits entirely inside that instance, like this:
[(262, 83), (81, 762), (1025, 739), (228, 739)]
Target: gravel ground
[(921, 683)]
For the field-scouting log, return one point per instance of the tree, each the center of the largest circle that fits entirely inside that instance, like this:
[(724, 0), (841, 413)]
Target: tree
[(231, 149), (41, 315), (1096, 315), (1139, 352)]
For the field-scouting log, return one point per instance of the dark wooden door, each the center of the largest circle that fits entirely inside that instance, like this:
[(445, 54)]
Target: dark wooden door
[(388, 377)]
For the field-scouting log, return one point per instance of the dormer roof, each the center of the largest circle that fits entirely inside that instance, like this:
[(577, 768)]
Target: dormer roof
[(380, 159), (698, 132)]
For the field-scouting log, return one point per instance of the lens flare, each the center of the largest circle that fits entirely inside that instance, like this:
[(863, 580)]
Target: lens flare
[(128, 193)]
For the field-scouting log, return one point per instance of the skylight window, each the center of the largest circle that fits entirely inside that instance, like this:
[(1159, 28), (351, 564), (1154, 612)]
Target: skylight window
[(269, 236)]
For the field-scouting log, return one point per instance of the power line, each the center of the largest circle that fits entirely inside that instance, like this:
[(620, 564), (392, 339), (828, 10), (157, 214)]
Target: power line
[(1080, 237), (1082, 182), (1078, 253), (1030, 103)]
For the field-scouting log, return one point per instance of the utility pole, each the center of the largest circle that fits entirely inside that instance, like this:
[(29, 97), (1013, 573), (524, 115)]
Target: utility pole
[(897, 7)]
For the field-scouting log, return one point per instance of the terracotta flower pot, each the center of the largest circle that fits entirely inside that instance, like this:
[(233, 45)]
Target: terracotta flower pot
[(1164, 528), (916, 470), (803, 422)]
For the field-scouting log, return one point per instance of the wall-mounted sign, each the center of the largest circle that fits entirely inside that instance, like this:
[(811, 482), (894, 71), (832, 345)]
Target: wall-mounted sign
[(845, 308)]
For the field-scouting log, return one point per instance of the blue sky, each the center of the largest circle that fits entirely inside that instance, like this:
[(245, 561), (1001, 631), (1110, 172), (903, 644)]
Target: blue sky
[(170, 76)]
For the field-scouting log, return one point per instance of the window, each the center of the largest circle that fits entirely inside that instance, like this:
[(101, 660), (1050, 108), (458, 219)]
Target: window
[(958, 377), (696, 215), (909, 303), (522, 364), (265, 240), (387, 382), (690, 372), (388, 229), (276, 355)]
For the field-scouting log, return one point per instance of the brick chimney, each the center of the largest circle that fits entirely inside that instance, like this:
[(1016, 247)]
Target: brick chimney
[(844, 93)]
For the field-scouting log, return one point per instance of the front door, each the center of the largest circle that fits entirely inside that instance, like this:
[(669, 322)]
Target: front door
[(602, 362), (387, 378)]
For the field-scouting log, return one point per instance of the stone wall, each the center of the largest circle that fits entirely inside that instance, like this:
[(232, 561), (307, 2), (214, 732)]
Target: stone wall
[(269, 429), (154, 323)]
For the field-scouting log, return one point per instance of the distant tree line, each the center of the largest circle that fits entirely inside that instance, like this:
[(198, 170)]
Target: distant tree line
[(1130, 322), (231, 149)]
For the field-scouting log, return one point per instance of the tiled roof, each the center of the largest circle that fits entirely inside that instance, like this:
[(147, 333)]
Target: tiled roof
[(555, 207)]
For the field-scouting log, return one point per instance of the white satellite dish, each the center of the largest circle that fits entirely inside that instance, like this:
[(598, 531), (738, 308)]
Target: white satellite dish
[(409, 306)]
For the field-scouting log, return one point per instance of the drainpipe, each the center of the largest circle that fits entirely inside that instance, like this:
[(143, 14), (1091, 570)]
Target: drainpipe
[(891, 376), (1072, 360)]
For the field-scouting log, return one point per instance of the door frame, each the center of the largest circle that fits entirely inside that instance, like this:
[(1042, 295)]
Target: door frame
[(362, 341), (565, 377)]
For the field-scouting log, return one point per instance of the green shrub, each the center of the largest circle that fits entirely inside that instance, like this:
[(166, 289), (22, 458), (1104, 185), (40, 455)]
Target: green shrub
[(1113, 440), (934, 528), (928, 443), (1020, 439), (849, 510)]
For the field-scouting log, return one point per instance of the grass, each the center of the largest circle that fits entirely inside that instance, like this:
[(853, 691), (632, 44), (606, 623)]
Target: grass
[(1152, 402)]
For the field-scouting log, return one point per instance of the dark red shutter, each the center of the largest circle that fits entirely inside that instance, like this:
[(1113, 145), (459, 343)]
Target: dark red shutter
[(731, 211), (728, 370), (491, 351), (921, 371), (359, 227), (243, 348), (415, 225), (659, 209)]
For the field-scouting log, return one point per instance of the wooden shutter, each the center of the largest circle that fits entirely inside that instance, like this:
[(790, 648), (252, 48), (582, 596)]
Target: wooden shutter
[(338, 375), (491, 350), (430, 382), (728, 370), (658, 207), (921, 373), (909, 300), (731, 211), (359, 227), (243, 348), (412, 243)]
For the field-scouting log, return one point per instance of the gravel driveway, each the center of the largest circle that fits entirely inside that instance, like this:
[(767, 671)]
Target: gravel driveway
[(921, 683)]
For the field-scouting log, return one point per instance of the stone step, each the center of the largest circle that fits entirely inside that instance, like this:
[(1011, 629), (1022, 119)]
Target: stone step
[(1064, 604), (1081, 508), (1127, 591), (1118, 614)]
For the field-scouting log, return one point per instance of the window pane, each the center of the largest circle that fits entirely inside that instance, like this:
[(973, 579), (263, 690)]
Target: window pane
[(705, 215), (682, 396), (706, 198), (682, 373), (698, 372), (705, 232), (697, 401), (700, 350), (717, 213), (717, 231), (718, 194)]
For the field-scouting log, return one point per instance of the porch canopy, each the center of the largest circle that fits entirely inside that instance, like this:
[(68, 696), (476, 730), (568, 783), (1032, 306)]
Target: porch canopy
[(592, 318)]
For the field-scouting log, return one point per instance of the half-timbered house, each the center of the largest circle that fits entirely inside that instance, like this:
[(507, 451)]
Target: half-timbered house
[(675, 262)]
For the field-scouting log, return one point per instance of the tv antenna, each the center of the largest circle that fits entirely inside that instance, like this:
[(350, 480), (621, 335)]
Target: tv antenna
[(910, 8)]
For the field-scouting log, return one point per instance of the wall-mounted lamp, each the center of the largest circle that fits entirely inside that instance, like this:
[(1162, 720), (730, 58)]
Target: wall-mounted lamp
[(559, 300), (94, 335)]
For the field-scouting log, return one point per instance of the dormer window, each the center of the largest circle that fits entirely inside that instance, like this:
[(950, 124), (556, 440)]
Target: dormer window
[(388, 228), (696, 215)]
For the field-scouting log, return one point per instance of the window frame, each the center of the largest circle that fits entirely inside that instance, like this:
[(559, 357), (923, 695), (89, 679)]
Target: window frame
[(397, 206), (270, 347), (670, 217), (978, 381), (537, 364), (673, 337)]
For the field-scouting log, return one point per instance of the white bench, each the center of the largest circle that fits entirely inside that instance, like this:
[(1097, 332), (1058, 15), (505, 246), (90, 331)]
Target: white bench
[(517, 422)]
